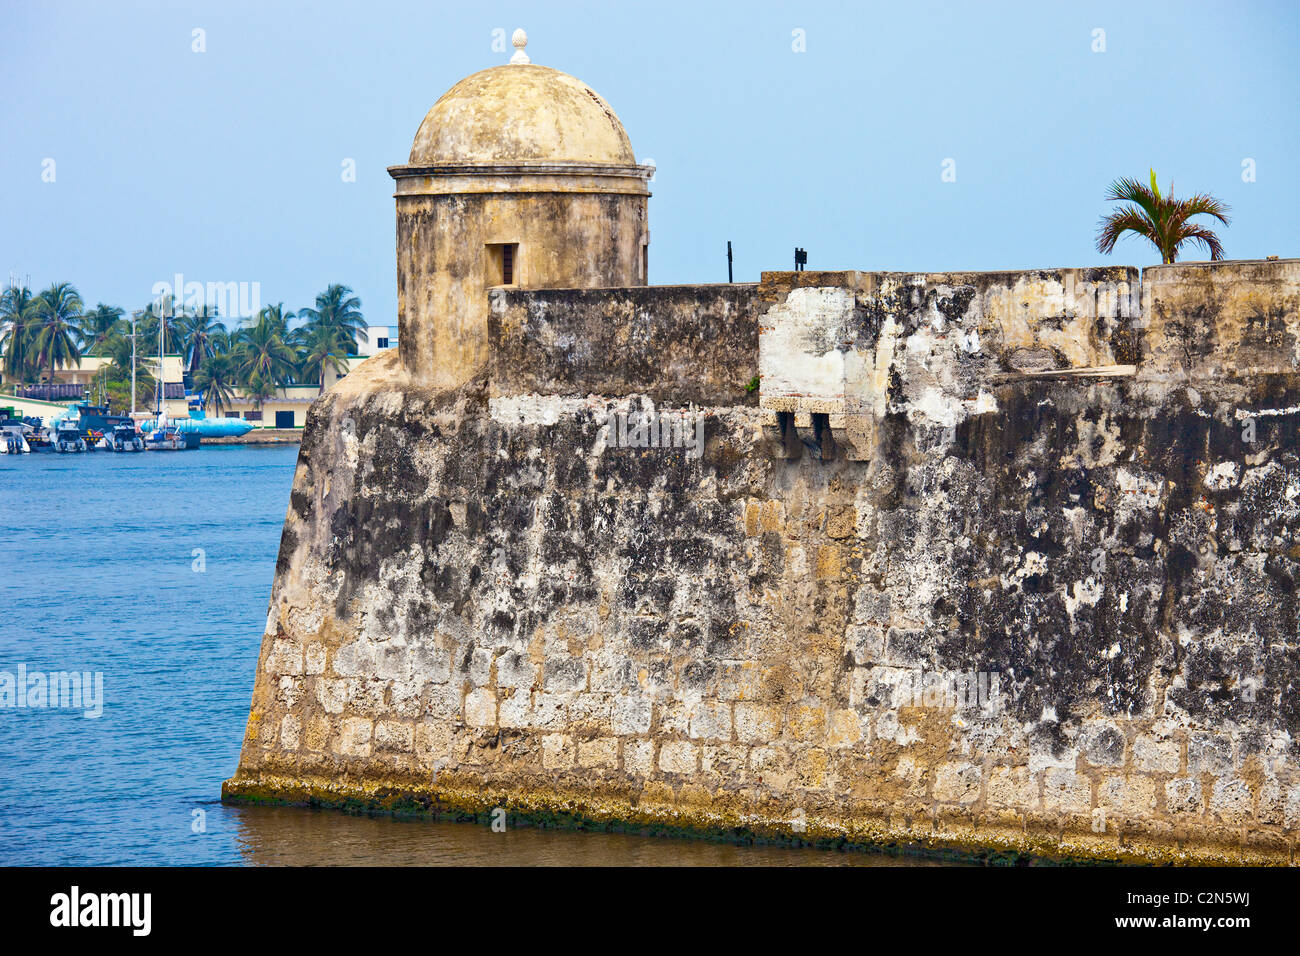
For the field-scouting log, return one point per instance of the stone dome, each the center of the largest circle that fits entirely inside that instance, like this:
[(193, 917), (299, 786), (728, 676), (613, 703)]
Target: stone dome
[(521, 113)]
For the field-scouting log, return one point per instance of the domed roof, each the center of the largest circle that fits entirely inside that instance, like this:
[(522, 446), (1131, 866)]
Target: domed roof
[(521, 113)]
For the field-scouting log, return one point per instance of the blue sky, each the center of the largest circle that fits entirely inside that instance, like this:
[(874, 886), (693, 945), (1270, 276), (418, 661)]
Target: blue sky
[(226, 165)]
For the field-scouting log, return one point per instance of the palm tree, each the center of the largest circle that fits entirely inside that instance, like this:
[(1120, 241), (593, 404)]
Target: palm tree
[(199, 332), (1161, 219), (323, 348), (216, 379), (278, 318), (98, 326), (262, 358), (259, 388), (337, 308), (17, 331), (146, 327), (58, 317), (223, 341)]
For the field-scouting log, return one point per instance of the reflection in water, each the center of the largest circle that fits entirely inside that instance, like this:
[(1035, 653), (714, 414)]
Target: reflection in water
[(290, 836)]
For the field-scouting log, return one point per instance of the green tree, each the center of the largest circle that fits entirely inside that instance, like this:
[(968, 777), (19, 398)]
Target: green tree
[(98, 326), (322, 349), (1160, 218), (199, 332), (58, 318), (17, 332), (260, 388), (264, 362), (216, 378), (117, 349), (278, 319), (146, 327), (115, 380), (337, 308)]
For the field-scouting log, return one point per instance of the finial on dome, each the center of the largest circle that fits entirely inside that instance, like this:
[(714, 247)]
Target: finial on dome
[(520, 40)]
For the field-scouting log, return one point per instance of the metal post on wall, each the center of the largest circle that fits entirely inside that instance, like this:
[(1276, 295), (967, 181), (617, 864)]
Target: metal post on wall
[(729, 279)]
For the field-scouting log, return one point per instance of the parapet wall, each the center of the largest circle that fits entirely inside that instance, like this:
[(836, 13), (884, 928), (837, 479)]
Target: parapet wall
[(1002, 562), (1216, 321), (691, 343)]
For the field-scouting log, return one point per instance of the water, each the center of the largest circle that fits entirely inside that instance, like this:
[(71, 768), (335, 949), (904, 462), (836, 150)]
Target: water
[(155, 569)]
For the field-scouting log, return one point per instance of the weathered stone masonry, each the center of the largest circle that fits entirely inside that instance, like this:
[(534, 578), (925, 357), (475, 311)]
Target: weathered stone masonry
[(1085, 484)]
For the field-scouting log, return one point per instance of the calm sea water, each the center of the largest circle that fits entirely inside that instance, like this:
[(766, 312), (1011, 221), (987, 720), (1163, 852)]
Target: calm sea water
[(155, 569)]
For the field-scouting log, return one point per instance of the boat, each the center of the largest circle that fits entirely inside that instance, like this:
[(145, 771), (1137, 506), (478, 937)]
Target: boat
[(123, 437), (97, 418), (163, 436), (160, 434), (95, 422), (37, 435), (13, 437), (67, 437), (164, 439)]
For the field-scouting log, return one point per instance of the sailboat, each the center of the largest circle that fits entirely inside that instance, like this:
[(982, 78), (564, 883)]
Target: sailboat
[(163, 437)]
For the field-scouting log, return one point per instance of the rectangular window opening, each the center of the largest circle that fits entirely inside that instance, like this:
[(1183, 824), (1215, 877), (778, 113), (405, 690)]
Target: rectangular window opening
[(503, 263)]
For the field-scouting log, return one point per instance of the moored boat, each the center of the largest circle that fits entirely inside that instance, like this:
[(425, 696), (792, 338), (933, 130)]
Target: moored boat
[(39, 438), (13, 439), (164, 436), (164, 439), (123, 437), (67, 438), (161, 435)]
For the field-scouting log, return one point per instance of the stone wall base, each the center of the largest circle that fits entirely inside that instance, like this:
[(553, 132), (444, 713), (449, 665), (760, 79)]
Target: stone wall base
[(1008, 838)]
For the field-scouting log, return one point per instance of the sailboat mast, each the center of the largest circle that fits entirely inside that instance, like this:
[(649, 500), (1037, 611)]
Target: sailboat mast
[(162, 328), (133, 368)]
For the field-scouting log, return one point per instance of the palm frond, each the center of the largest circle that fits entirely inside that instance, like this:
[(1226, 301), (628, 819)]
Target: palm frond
[(1159, 218), (1128, 219), (1206, 237), (1203, 204)]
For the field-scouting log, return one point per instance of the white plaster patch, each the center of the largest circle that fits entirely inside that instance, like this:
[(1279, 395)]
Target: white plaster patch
[(1137, 489), (1034, 563), (528, 409), (1243, 413), (919, 343), (1223, 475), (939, 407), (1088, 591), (789, 362)]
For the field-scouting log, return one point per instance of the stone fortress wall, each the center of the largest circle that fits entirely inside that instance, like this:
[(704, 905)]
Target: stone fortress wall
[(994, 562)]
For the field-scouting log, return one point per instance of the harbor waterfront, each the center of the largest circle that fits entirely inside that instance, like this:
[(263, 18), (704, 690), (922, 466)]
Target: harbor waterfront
[(153, 572)]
